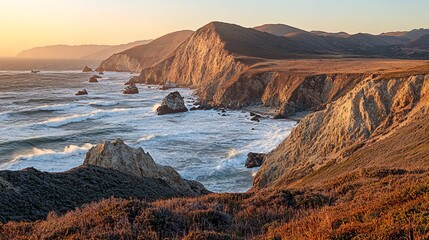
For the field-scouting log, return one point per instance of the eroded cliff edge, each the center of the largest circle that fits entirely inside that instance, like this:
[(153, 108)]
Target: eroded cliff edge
[(234, 67), (382, 121)]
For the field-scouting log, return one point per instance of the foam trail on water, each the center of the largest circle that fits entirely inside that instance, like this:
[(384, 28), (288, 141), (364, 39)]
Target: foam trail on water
[(61, 121), (146, 137), (49, 159)]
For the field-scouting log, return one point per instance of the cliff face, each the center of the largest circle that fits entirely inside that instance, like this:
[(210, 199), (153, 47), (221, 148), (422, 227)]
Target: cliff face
[(290, 93), (201, 62), (139, 57), (216, 54), (120, 62), (373, 110)]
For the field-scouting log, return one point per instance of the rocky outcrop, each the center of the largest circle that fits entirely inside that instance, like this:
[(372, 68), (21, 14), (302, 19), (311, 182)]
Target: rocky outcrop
[(168, 85), (140, 57), (172, 103), (254, 160), (131, 89), (93, 79), (377, 107), (82, 92), (121, 62), (87, 69), (29, 194), (118, 156)]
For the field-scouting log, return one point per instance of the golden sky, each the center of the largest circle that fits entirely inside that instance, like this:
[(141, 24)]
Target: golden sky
[(30, 23)]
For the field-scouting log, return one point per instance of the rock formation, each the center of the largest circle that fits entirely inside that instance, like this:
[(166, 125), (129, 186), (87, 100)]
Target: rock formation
[(254, 160), (137, 58), (87, 69), (118, 156), (29, 194), (82, 92), (93, 79), (167, 85), (231, 66), (131, 89), (172, 103), (330, 140)]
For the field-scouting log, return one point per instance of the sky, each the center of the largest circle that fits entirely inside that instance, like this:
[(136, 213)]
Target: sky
[(31, 23)]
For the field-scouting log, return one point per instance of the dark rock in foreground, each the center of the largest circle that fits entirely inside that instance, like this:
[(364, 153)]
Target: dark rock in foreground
[(87, 69), (254, 160), (119, 156), (131, 89), (172, 103), (30, 195), (82, 92)]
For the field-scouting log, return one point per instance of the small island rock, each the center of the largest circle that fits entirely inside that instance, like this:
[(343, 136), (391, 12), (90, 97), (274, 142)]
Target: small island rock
[(131, 89), (254, 160), (87, 69), (82, 92), (172, 103)]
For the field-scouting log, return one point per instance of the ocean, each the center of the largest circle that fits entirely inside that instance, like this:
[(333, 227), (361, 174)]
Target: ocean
[(45, 126)]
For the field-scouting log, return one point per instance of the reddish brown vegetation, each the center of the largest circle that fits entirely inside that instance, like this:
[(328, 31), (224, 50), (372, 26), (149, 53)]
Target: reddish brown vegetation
[(372, 203)]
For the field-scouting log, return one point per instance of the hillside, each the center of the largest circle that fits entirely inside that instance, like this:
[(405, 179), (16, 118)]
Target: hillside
[(103, 54), (409, 35), (278, 29), (77, 52), (216, 53), (420, 43), (345, 135), (137, 58), (30, 195)]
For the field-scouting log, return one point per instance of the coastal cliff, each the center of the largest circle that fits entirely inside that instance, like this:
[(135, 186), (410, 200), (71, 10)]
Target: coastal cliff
[(139, 57), (215, 54), (368, 115)]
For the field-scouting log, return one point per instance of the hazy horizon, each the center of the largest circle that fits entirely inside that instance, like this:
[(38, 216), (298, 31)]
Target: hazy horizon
[(26, 24)]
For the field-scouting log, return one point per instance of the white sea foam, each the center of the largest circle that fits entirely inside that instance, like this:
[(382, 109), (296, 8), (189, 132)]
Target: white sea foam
[(49, 159), (103, 103), (155, 106), (56, 107), (147, 137), (61, 121)]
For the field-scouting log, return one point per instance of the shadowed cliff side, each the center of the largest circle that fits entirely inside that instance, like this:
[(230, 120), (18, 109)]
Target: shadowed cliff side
[(216, 53), (137, 58), (346, 132)]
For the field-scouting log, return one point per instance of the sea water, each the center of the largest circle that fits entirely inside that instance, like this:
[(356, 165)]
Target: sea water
[(45, 126)]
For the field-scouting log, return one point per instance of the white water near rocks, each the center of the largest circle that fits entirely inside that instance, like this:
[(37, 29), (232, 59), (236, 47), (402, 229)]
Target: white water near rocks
[(44, 125)]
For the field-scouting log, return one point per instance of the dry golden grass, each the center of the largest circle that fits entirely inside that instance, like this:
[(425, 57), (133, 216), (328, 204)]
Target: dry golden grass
[(367, 204)]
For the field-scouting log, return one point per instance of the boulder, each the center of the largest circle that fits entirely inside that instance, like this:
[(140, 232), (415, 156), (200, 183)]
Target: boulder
[(168, 85), (133, 79), (101, 73), (254, 159), (82, 92), (131, 89), (119, 156), (93, 79), (172, 103), (87, 69)]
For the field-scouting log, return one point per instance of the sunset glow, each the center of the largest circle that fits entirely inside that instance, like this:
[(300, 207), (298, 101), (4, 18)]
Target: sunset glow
[(27, 23)]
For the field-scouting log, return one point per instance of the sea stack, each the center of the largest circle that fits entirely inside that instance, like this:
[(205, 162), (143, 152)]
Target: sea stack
[(87, 69), (93, 79), (131, 89), (82, 92), (172, 103)]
